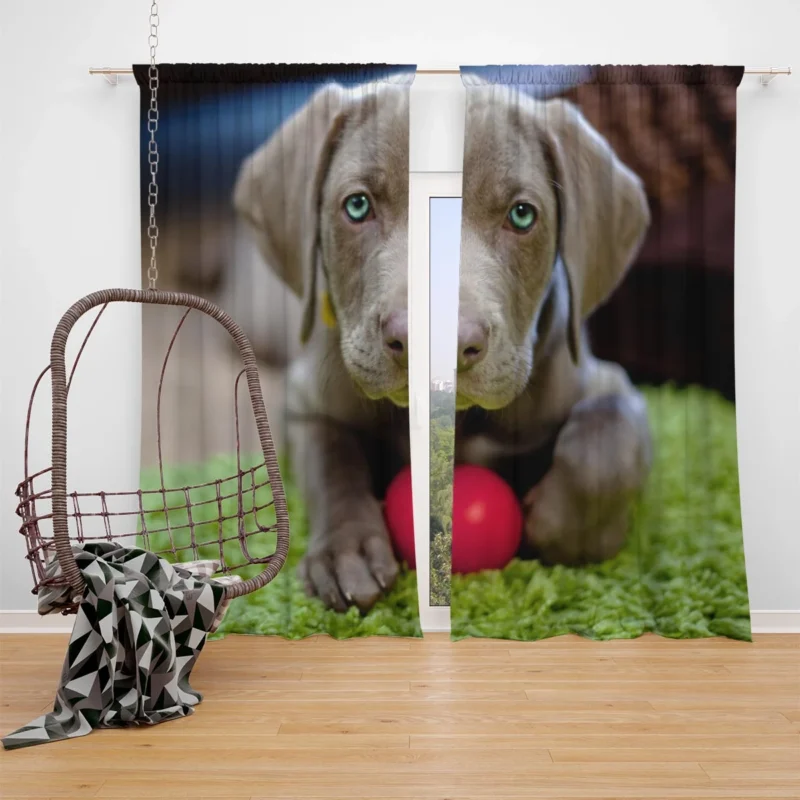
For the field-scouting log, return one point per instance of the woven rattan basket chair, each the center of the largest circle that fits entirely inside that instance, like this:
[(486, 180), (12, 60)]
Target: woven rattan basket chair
[(224, 515)]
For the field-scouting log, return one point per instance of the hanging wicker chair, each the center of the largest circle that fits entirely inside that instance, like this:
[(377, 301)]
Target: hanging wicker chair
[(220, 518)]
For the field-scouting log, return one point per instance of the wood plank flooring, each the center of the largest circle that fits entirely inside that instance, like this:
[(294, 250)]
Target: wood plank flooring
[(399, 719)]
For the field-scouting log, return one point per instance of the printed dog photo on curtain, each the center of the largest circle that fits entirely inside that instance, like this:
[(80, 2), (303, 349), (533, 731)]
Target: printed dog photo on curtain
[(594, 420), (283, 198)]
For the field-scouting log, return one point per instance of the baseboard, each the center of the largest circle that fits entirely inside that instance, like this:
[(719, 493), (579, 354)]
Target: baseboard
[(775, 621), (436, 628), (31, 622)]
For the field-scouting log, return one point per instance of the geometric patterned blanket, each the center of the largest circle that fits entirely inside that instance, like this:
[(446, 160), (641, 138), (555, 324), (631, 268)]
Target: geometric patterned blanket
[(140, 627)]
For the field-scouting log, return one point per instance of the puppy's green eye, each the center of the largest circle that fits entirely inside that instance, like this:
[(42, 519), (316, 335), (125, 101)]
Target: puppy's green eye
[(357, 207), (522, 216)]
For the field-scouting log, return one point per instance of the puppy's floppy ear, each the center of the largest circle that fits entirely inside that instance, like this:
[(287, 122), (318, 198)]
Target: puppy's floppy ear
[(278, 193), (602, 208)]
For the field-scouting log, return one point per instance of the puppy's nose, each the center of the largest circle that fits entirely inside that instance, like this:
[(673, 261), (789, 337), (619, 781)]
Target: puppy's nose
[(395, 337), (473, 342)]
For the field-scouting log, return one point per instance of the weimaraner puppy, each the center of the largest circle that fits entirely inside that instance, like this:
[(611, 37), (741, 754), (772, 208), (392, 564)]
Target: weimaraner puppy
[(551, 222)]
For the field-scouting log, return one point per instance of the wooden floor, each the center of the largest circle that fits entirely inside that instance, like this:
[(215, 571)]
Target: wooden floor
[(397, 718)]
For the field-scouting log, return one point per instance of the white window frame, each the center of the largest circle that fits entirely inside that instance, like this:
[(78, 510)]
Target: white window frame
[(423, 187)]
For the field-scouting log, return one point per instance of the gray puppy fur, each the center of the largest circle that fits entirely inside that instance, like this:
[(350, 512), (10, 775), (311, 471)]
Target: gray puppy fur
[(530, 393)]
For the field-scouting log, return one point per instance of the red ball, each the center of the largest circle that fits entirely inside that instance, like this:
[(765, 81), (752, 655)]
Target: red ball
[(487, 519), (399, 513)]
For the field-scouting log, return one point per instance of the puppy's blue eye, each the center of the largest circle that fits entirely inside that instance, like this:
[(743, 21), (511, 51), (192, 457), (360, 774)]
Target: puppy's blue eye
[(357, 207), (522, 216)]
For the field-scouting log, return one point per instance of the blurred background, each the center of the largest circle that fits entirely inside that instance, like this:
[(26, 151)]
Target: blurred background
[(211, 117), (672, 317)]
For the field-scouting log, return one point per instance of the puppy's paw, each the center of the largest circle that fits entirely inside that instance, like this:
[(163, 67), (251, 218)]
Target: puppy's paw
[(564, 526), (352, 566), (578, 513)]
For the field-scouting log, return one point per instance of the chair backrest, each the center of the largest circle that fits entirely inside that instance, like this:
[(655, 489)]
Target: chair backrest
[(58, 492)]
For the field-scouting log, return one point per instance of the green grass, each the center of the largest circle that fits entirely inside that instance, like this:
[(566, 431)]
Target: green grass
[(282, 607), (681, 573)]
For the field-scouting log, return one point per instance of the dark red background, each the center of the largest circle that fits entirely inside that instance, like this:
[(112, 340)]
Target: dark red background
[(672, 317)]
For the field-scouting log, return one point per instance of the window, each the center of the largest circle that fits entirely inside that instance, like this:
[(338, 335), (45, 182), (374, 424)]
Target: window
[(434, 240)]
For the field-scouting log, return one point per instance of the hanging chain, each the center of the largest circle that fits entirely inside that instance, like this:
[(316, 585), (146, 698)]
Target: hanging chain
[(152, 147)]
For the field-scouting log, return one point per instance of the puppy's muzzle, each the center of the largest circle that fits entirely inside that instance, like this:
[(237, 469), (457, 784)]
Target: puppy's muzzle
[(473, 342), (395, 337)]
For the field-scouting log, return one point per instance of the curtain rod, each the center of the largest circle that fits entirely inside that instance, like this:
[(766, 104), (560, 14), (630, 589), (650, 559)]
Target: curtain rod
[(766, 73)]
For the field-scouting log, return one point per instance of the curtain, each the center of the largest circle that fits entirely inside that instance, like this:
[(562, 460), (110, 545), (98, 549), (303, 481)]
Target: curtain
[(595, 393), (283, 193)]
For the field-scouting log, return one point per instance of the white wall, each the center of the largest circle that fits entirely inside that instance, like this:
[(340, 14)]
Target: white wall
[(70, 194)]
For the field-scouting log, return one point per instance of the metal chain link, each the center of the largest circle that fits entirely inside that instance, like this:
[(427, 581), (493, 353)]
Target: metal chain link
[(152, 147)]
